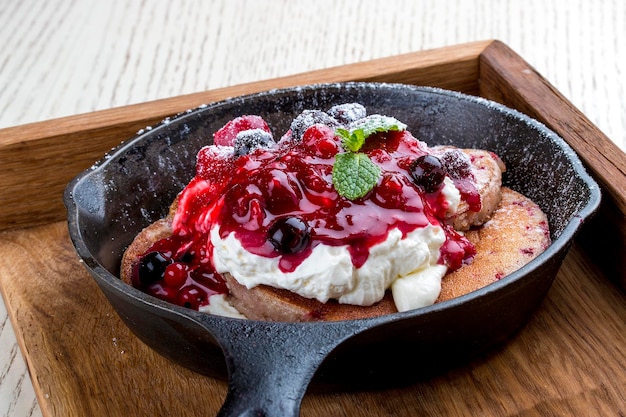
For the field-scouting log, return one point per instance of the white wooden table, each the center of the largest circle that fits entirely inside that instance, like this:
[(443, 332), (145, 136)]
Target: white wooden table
[(63, 57)]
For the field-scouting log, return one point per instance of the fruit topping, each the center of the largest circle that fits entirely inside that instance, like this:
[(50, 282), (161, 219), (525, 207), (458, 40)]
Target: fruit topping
[(428, 172), (191, 296), (227, 134), (458, 167), (289, 234), (456, 163), (456, 251), (307, 119), (249, 140), (348, 112), (152, 267), (176, 274), (343, 179), (213, 161), (320, 139), (391, 193)]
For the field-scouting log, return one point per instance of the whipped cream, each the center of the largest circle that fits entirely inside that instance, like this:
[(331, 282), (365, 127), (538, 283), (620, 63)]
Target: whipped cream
[(328, 272), (452, 196), (219, 305)]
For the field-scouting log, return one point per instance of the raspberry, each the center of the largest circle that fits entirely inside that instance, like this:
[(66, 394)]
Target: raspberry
[(214, 163), (227, 134)]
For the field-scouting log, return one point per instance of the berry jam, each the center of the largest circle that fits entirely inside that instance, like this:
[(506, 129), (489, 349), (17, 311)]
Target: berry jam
[(177, 270), (279, 200)]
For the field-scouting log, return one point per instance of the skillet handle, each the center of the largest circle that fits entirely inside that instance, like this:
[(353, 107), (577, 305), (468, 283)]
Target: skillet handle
[(270, 364)]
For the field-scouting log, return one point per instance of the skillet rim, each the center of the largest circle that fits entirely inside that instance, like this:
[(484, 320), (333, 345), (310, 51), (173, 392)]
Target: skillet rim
[(562, 241)]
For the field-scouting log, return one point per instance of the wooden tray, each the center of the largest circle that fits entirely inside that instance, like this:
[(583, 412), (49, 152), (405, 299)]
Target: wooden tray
[(568, 360)]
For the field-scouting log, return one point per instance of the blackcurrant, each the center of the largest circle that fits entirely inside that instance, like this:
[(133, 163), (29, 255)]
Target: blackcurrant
[(152, 267), (289, 234), (427, 172)]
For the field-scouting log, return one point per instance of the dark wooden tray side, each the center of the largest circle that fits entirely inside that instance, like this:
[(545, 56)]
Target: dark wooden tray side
[(507, 78)]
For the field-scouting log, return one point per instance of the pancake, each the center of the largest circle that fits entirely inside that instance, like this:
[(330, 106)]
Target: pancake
[(515, 234)]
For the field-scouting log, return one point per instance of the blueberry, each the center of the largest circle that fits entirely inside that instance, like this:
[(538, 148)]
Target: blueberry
[(307, 119), (151, 267), (289, 234), (348, 112), (249, 140), (427, 172)]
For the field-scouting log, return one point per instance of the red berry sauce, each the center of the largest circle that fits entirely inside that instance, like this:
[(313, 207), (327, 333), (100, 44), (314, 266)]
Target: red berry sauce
[(280, 202)]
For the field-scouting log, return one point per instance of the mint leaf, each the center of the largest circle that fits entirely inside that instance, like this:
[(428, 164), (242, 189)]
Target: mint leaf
[(351, 140), (377, 123), (354, 174)]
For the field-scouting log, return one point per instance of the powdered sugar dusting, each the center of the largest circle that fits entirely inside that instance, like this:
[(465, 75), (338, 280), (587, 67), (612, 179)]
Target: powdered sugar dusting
[(347, 113)]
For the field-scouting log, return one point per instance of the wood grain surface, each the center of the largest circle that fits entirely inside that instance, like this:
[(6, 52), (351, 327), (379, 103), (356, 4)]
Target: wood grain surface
[(65, 57)]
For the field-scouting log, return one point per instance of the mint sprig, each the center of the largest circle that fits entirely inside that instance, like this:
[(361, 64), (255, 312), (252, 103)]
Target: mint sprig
[(351, 140), (354, 174)]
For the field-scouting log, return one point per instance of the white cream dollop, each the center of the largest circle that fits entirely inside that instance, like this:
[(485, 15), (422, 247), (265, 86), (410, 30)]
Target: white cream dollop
[(219, 305), (452, 195), (328, 272)]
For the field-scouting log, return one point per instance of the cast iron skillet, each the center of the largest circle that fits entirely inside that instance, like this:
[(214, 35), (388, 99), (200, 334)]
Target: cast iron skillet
[(270, 365)]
